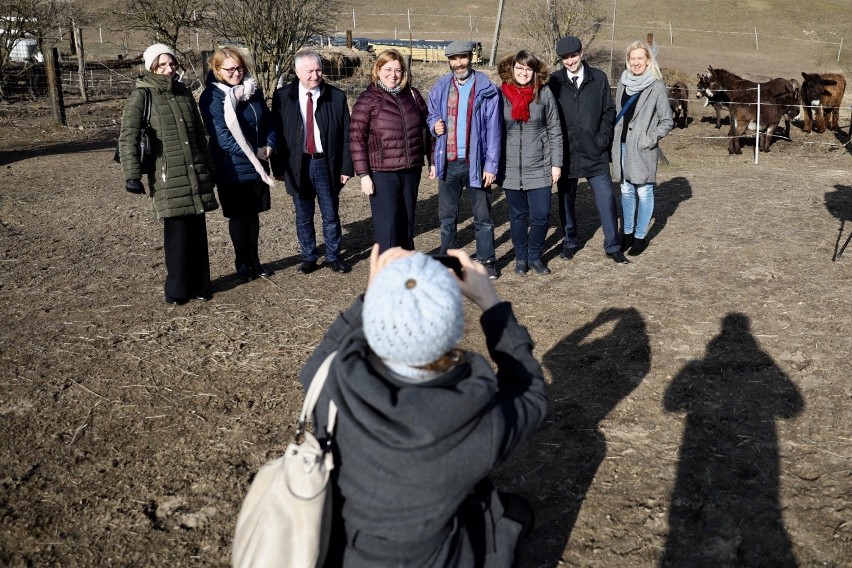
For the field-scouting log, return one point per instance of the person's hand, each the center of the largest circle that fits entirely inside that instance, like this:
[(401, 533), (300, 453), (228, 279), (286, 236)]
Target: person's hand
[(476, 285), (343, 180), (367, 186), (555, 173), (379, 261), (440, 128), (134, 186), (432, 174), (487, 179), (263, 153)]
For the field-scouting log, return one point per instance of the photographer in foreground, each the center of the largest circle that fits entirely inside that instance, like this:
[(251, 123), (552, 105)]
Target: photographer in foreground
[(421, 424)]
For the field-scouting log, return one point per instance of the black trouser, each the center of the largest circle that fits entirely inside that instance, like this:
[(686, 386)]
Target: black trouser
[(245, 235), (187, 260), (393, 205)]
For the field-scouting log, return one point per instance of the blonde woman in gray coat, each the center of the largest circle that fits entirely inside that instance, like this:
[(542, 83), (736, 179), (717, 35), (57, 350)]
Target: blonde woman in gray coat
[(642, 104)]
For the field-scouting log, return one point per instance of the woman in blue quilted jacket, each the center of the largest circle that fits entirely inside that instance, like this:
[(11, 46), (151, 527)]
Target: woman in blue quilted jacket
[(241, 141)]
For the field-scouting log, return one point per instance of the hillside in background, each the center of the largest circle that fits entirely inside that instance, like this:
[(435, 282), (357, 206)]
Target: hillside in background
[(791, 36)]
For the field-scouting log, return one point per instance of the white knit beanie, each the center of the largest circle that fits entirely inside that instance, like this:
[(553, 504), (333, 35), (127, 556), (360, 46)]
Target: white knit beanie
[(152, 53), (413, 311)]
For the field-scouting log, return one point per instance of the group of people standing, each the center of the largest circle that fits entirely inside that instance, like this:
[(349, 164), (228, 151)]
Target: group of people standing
[(423, 420), (535, 130)]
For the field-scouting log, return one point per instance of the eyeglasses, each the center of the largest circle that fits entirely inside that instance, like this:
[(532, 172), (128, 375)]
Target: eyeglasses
[(164, 65), (232, 70)]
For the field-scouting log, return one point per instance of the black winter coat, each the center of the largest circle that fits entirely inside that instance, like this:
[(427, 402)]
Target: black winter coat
[(332, 116), (587, 117), (387, 130)]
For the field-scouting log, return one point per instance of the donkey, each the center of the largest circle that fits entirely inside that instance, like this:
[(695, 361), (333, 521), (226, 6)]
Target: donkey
[(679, 101)]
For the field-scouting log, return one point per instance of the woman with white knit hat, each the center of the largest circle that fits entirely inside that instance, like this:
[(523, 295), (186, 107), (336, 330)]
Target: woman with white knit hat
[(180, 183), (421, 423)]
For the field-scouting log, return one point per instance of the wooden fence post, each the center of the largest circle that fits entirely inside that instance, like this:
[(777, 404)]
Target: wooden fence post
[(54, 88), (81, 63)]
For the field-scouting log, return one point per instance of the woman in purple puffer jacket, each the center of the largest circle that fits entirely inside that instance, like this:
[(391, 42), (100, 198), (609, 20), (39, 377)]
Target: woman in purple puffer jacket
[(388, 141)]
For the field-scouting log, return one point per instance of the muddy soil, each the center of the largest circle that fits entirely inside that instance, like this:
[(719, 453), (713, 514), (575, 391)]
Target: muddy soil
[(699, 397)]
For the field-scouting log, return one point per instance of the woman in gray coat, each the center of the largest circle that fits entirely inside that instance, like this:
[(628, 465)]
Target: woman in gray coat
[(532, 155), (642, 103)]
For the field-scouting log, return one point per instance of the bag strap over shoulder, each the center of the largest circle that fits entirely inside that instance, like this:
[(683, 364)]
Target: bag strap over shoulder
[(312, 396), (147, 114)]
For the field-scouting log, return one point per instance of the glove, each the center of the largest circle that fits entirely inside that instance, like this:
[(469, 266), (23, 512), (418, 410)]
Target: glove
[(134, 186)]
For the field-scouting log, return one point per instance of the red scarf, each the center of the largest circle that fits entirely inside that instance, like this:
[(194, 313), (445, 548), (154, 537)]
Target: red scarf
[(520, 99)]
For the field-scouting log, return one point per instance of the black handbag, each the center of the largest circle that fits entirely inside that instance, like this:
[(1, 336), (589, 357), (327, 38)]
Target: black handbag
[(146, 156)]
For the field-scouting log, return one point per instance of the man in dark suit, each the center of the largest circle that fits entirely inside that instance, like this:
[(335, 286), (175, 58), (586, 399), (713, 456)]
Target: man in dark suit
[(311, 119), (587, 112)]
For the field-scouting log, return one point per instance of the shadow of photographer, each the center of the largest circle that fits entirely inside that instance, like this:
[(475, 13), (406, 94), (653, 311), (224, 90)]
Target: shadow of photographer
[(592, 369)]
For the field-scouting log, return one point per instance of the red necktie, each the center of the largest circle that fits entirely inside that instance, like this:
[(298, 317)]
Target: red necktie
[(311, 145)]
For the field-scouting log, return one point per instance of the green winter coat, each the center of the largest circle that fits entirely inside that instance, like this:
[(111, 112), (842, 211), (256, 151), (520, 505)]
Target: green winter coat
[(182, 182)]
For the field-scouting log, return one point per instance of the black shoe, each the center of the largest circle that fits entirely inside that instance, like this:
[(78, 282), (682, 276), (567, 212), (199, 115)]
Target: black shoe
[(175, 301), (245, 273), (203, 296), (618, 257), (639, 245), (262, 271), (339, 266), (567, 253), (539, 266), (521, 267), (492, 270), (307, 266), (626, 241)]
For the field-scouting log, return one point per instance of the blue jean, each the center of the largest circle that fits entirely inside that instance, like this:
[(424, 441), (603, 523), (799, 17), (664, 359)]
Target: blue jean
[(456, 178), (315, 184), (604, 202), (531, 206), (636, 222), (393, 205)]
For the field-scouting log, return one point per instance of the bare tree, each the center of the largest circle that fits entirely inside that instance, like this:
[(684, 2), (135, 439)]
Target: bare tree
[(167, 21), (20, 19), (272, 31), (545, 21)]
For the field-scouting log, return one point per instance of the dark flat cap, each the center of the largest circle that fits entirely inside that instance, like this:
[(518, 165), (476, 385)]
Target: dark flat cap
[(568, 44), (458, 48)]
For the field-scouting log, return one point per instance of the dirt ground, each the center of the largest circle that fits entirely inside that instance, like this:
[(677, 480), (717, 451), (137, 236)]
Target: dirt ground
[(699, 397)]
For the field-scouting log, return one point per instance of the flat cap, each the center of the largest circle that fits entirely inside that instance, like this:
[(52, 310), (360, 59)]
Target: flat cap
[(568, 44), (459, 48)]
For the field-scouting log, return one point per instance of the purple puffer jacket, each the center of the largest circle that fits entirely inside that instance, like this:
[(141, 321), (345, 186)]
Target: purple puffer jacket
[(486, 129), (386, 131)]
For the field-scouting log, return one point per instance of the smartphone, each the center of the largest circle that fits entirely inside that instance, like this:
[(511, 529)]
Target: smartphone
[(450, 262)]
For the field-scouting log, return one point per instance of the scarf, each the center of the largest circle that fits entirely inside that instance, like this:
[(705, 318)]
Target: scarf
[(237, 93), (452, 117), (395, 91), (636, 83), (520, 99)]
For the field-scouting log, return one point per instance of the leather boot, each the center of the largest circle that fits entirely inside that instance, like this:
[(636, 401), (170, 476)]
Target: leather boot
[(626, 241), (639, 245)]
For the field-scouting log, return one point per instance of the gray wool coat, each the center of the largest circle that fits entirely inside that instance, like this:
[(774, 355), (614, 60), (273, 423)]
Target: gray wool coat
[(410, 459), (531, 148), (652, 120)]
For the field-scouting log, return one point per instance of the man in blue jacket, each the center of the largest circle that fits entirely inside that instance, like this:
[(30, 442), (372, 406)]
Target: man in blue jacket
[(587, 112), (465, 117)]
